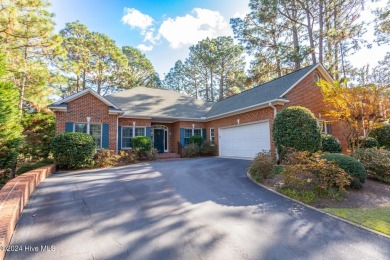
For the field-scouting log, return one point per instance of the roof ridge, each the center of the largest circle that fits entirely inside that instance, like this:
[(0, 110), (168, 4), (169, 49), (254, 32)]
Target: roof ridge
[(268, 82)]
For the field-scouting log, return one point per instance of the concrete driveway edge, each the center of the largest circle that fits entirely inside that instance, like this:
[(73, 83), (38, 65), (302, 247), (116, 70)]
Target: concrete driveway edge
[(317, 209)]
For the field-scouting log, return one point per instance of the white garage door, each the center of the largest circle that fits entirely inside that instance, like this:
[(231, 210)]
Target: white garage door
[(244, 141)]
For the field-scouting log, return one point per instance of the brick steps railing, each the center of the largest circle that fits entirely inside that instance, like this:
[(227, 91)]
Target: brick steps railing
[(162, 156), (13, 196)]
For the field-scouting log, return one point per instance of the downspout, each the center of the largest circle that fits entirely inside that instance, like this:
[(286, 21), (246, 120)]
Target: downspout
[(275, 113), (117, 138)]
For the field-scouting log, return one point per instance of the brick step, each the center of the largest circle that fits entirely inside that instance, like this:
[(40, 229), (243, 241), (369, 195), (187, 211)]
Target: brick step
[(168, 155)]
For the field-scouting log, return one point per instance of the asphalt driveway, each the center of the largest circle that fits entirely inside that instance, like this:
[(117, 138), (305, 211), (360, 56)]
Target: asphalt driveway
[(185, 209)]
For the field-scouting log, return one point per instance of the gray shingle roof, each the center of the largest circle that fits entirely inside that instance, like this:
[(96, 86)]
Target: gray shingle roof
[(141, 101), (259, 94)]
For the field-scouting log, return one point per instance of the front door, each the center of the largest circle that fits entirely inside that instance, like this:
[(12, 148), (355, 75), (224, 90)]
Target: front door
[(159, 140)]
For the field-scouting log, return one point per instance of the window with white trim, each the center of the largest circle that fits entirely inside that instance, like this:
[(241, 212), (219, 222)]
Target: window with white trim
[(325, 126), (94, 129), (129, 132), (212, 136), (188, 132)]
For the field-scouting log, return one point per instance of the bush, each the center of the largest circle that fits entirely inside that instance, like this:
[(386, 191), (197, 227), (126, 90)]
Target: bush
[(73, 150), (382, 135), (105, 158), (368, 142), (191, 150), (141, 143), (33, 166), (196, 139), (376, 161), (296, 127), (306, 172), (126, 157), (350, 165), (330, 144), (262, 166), (207, 149)]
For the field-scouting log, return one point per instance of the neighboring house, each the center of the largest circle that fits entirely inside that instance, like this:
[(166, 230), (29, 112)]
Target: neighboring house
[(240, 125)]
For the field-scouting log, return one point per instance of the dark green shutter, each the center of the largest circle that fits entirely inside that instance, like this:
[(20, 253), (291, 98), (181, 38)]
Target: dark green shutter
[(69, 126), (148, 131), (181, 137), (119, 137), (105, 136), (329, 128), (204, 134)]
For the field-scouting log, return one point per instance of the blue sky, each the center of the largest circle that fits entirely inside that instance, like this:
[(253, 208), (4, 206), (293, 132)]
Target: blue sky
[(163, 30)]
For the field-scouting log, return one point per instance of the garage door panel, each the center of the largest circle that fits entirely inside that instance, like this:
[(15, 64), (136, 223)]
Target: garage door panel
[(244, 141)]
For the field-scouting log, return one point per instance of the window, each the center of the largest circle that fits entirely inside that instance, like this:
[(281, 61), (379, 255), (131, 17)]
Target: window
[(212, 136), (128, 132), (187, 135), (188, 132), (94, 129), (326, 127), (316, 78), (80, 128), (127, 135), (139, 131)]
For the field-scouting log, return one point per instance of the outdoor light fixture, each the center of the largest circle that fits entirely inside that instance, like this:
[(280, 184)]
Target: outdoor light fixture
[(88, 119), (133, 123), (238, 121)]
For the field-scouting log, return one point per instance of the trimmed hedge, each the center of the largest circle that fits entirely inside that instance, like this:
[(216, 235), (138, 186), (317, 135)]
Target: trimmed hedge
[(382, 135), (330, 144), (296, 127), (33, 166), (350, 165), (196, 139), (141, 143), (73, 150), (370, 142)]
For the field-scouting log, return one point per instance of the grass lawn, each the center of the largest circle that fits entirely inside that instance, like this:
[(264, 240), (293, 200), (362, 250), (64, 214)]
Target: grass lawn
[(377, 219)]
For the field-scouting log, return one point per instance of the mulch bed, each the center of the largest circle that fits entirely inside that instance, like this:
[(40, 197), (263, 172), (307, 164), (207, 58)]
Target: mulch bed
[(374, 194)]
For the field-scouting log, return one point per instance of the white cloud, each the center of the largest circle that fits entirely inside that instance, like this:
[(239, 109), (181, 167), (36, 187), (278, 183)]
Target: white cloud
[(191, 28), (136, 19), (149, 36), (145, 48)]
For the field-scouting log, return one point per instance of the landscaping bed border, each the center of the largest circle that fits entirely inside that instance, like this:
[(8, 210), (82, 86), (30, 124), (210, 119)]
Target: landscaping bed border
[(13, 196), (316, 209)]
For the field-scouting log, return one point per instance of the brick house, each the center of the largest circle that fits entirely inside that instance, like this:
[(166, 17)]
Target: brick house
[(240, 125)]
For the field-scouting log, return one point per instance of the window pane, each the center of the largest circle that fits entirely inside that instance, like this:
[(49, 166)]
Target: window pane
[(212, 136), (80, 128), (139, 131), (126, 142), (186, 141), (127, 132), (198, 132), (187, 133), (95, 131)]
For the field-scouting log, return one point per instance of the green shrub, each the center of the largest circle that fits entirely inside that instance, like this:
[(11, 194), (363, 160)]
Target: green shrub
[(207, 149), (351, 166), (33, 166), (382, 135), (307, 172), (376, 161), (105, 158), (296, 127), (196, 139), (262, 166), (191, 150), (141, 143), (368, 142), (73, 150), (330, 144)]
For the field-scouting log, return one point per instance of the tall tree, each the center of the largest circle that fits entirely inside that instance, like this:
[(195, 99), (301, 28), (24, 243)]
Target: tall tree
[(382, 24), (140, 70), (28, 40)]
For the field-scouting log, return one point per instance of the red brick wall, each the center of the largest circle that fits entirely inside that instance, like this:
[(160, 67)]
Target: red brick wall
[(13, 196), (308, 94), (88, 106), (138, 122)]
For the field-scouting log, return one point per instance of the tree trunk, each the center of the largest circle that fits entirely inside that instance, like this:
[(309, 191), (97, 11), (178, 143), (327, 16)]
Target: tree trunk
[(296, 48), (221, 87), (321, 36), (211, 86)]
